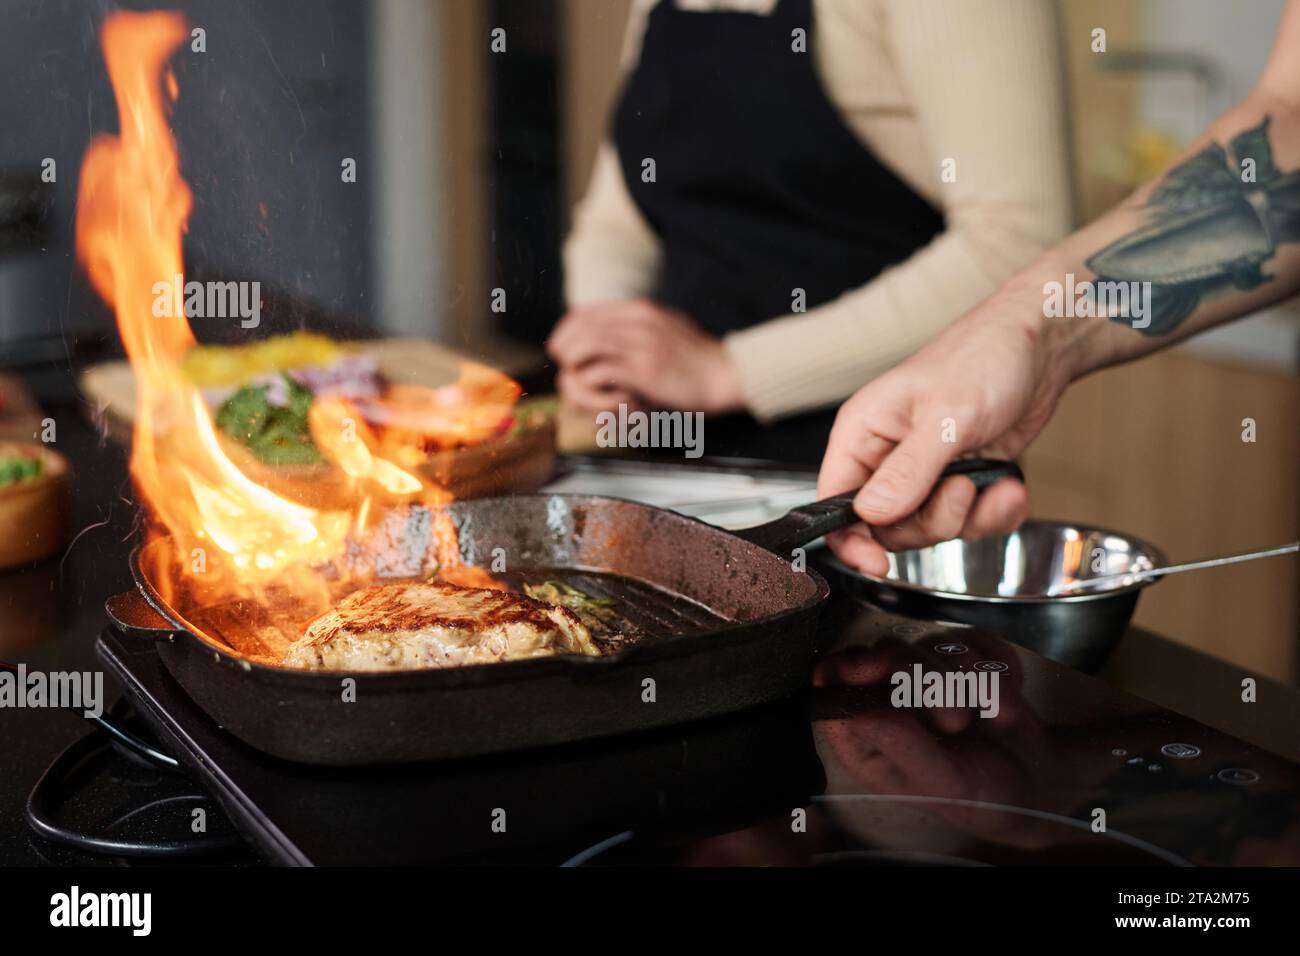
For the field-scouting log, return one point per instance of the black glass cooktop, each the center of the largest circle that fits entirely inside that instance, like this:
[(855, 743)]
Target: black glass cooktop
[(1070, 771)]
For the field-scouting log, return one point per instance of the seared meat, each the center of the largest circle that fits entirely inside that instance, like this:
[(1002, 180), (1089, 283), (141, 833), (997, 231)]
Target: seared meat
[(435, 624)]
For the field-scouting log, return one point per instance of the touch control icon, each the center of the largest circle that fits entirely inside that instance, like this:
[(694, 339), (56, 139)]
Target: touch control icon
[(951, 647), (1239, 776), (1181, 751)]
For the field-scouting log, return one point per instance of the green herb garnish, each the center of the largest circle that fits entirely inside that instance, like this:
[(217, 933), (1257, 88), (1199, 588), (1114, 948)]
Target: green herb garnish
[(18, 468), (565, 595), (275, 435), (531, 413)]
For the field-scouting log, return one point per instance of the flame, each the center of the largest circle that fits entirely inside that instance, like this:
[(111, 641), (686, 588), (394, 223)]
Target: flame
[(342, 435), (132, 210)]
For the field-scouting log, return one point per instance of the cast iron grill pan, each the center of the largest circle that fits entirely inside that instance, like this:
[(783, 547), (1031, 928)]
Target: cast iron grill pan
[(729, 625)]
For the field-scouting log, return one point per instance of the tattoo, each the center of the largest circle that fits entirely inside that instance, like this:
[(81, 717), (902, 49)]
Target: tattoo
[(1215, 221)]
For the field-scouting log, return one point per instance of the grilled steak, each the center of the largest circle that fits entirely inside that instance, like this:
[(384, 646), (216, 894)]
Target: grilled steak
[(435, 624)]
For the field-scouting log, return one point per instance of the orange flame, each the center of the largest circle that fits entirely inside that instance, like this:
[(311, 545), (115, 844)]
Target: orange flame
[(132, 210)]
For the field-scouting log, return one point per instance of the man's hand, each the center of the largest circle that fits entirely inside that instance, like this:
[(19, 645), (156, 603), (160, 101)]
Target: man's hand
[(986, 386), (640, 353), (996, 373)]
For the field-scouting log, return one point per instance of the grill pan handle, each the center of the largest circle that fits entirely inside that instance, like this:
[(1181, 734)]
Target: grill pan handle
[(132, 614), (809, 522)]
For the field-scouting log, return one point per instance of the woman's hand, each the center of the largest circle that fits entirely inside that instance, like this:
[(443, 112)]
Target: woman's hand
[(985, 386), (639, 353)]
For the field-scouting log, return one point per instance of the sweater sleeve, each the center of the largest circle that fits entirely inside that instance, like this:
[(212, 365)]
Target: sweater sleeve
[(984, 81), (611, 252)]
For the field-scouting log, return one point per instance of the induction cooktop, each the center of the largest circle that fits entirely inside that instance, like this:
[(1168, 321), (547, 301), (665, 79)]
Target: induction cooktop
[(1069, 771)]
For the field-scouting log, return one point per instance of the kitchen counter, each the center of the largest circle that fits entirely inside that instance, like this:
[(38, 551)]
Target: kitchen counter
[(51, 615)]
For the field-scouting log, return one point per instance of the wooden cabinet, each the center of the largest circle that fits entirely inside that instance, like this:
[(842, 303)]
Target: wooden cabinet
[(1155, 449)]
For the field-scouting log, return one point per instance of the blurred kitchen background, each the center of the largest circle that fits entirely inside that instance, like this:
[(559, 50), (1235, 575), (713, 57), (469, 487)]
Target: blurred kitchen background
[(469, 162)]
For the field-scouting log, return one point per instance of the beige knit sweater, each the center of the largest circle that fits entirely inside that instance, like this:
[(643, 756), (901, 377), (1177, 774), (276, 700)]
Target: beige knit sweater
[(920, 82)]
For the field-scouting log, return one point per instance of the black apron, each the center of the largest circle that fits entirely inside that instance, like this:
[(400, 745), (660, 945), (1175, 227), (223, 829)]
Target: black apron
[(760, 189)]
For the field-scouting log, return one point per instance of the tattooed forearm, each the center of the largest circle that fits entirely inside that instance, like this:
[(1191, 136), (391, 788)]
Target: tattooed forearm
[(1215, 220)]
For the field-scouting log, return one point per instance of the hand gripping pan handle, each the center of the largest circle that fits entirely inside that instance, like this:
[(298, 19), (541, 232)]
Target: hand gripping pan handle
[(810, 522)]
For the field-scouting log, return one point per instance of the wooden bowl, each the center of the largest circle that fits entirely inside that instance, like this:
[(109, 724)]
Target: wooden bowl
[(34, 513)]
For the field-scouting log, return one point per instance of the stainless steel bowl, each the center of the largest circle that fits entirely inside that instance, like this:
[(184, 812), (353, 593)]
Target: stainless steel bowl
[(1011, 585)]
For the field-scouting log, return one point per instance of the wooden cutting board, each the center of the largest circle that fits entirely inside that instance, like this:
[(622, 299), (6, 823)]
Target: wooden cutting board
[(109, 387), (20, 416), (493, 468)]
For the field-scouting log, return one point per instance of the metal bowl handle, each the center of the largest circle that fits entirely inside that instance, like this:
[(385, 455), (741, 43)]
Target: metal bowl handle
[(809, 522)]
